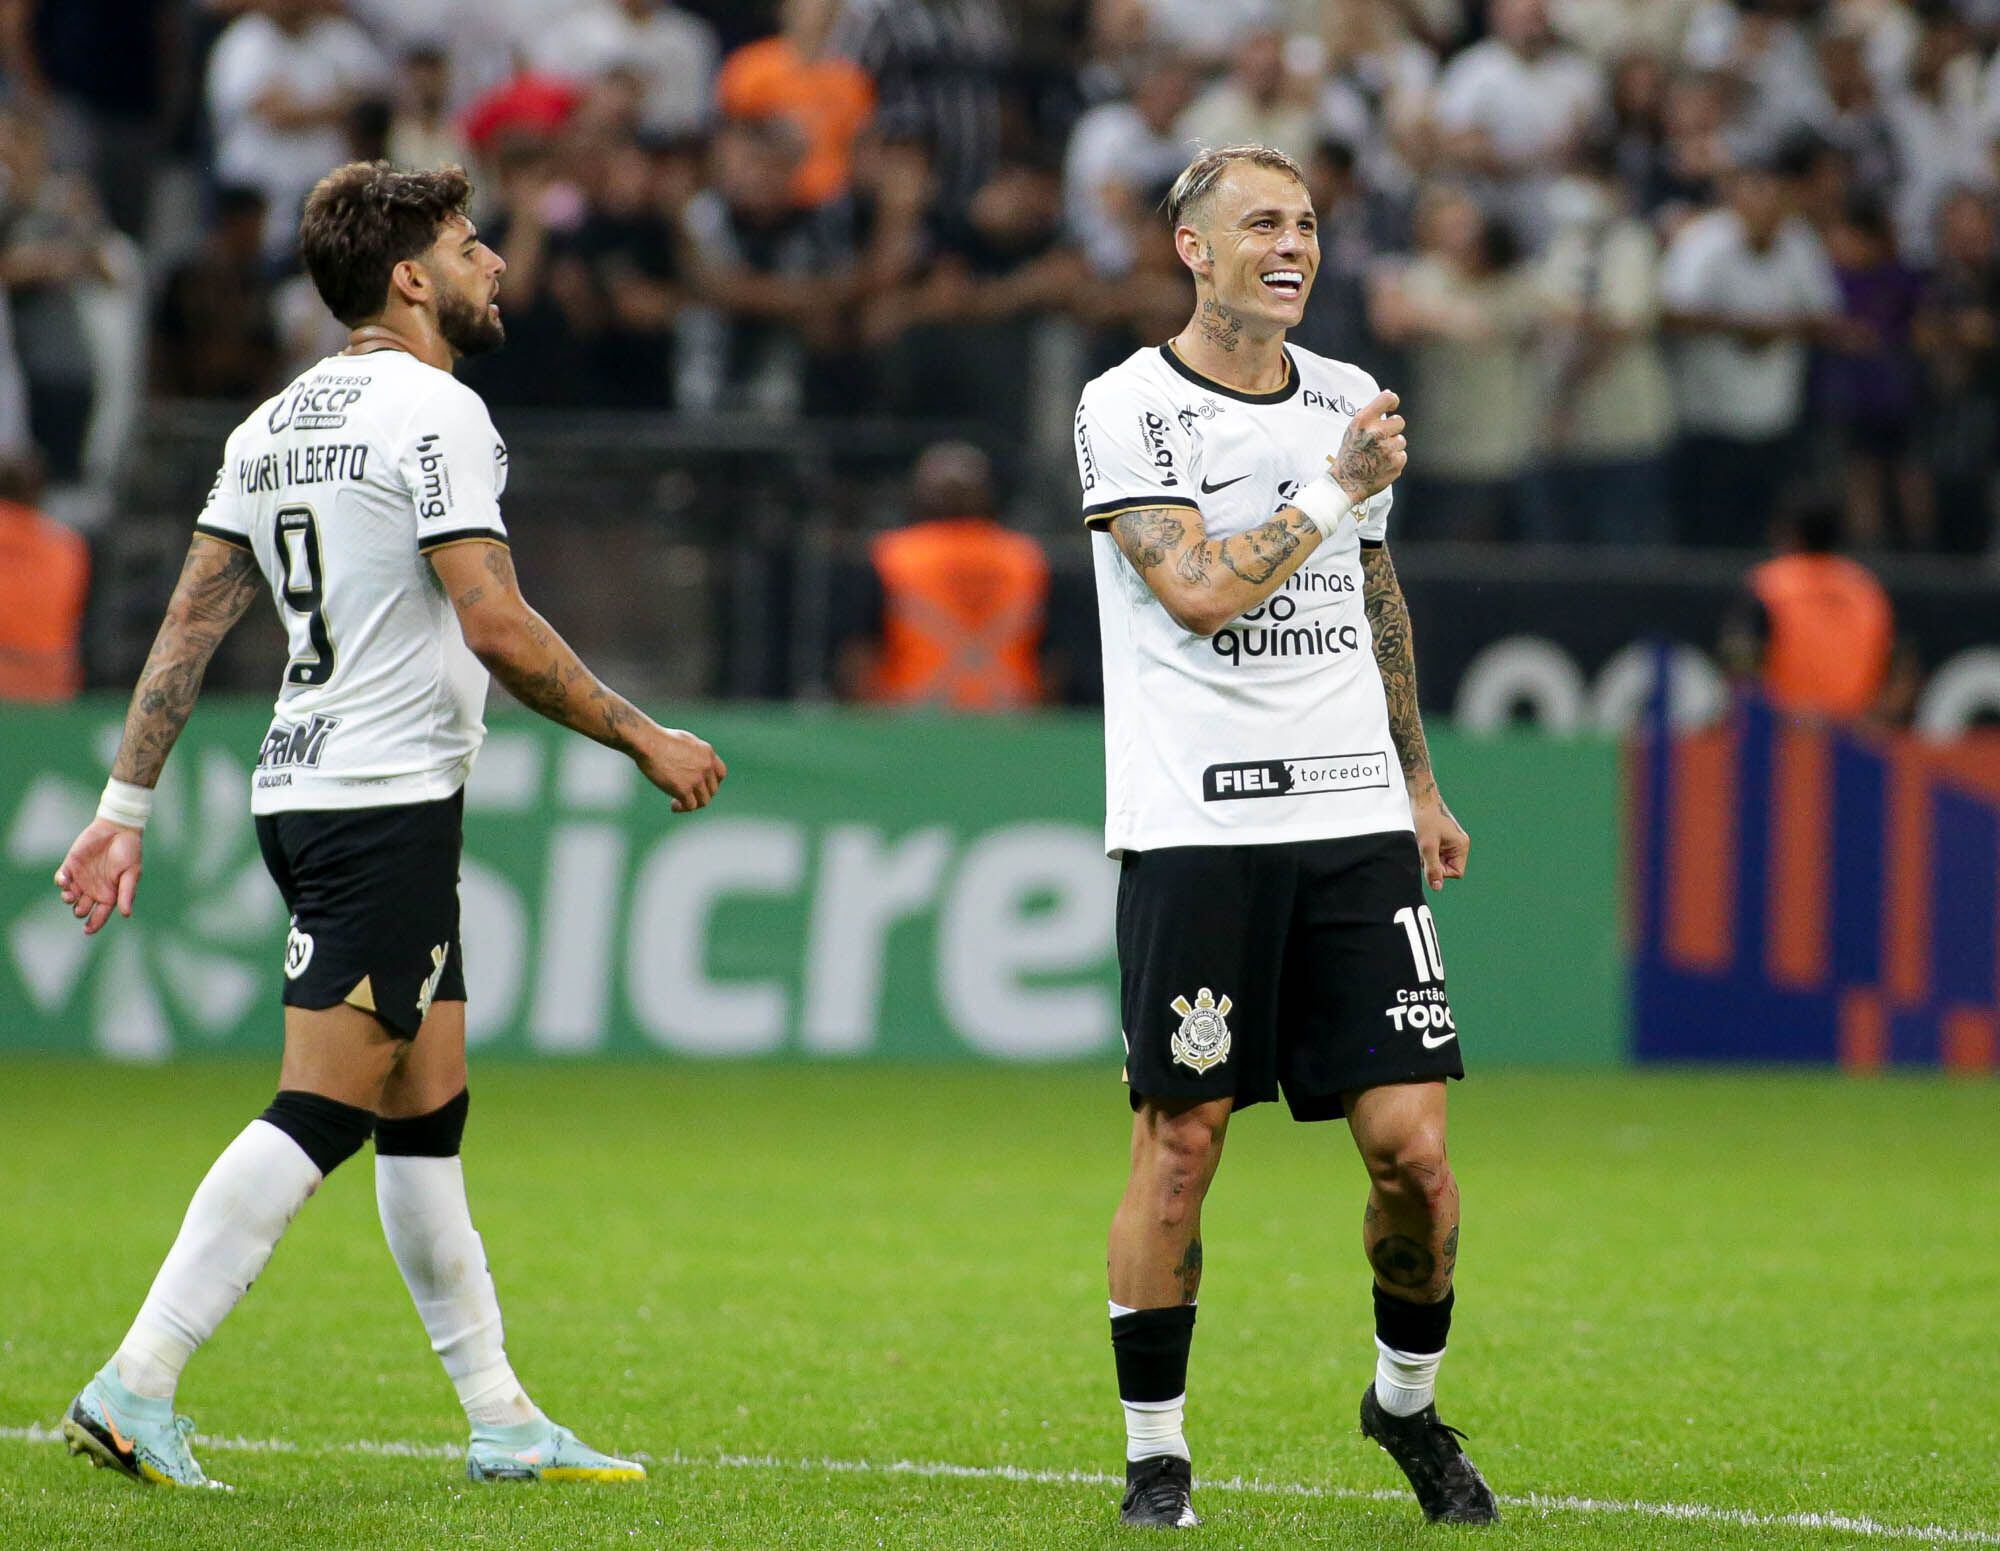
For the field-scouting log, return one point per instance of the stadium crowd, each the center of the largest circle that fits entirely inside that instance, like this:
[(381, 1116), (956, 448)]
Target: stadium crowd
[(1643, 267)]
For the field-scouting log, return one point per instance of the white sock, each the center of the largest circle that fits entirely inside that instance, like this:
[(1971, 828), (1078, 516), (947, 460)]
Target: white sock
[(1405, 1382), (1153, 1427), (239, 1212), (430, 1232)]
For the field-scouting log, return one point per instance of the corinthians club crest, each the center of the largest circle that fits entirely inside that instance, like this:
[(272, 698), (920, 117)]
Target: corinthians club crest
[(1202, 1040)]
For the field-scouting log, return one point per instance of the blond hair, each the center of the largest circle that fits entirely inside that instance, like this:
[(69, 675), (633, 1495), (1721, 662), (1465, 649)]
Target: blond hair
[(1198, 179)]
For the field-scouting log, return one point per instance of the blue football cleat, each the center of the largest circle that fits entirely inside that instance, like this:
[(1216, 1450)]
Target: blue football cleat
[(542, 1451), (133, 1434)]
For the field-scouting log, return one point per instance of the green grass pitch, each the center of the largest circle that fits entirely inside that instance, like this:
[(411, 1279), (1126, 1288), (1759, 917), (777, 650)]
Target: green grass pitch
[(1749, 1310)]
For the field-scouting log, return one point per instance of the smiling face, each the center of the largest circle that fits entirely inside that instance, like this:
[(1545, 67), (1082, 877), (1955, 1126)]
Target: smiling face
[(467, 275), (1253, 244)]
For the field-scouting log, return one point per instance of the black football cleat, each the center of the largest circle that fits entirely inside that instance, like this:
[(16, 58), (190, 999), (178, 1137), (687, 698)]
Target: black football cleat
[(1448, 1485), (1158, 1493)]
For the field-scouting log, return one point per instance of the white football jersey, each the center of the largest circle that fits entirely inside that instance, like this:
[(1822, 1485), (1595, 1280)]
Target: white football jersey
[(1276, 727), (340, 486)]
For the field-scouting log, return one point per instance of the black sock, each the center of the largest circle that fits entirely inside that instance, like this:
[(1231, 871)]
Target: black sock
[(1151, 1348), (1416, 1328)]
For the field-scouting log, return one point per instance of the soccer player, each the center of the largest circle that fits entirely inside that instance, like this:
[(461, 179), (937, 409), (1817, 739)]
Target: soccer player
[(366, 496), (1270, 795)]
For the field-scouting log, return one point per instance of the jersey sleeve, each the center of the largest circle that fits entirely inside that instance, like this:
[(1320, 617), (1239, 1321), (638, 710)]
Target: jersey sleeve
[(1371, 518), (222, 515), (454, 465), (1129, 454)]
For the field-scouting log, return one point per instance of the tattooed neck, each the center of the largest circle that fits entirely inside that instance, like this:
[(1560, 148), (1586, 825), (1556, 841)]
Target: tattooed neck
[(1219, 326)]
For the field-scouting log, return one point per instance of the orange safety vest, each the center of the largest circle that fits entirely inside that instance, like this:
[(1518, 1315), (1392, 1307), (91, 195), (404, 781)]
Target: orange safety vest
[(1832, 633), (963, 605), (44, 578), (831, 101)]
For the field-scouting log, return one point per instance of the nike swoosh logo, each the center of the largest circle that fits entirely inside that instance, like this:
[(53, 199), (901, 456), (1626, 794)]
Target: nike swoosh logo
[(1208, 489), (119, 1441), (1442, 1039)]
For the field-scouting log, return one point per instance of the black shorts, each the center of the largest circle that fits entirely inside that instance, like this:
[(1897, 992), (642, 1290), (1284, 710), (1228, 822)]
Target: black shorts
[(373, 894), (1308, 965)]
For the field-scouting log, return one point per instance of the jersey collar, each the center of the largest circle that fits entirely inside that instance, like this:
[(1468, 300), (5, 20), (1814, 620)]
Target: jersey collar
[(1277, 395)]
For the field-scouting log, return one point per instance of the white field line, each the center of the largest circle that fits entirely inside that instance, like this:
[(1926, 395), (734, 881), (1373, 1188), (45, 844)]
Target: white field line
[(1538, 1502)]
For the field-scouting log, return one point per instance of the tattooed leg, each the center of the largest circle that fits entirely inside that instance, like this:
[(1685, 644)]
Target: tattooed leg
[(1155, 1252), (1410, 1228)]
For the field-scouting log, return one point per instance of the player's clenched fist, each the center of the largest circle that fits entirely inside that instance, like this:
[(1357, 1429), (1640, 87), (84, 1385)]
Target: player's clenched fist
[(1374, 450), (682, 766)]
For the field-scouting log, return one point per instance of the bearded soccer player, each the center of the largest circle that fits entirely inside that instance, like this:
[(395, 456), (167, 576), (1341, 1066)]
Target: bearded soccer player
[(366, 497), (1270, 796)]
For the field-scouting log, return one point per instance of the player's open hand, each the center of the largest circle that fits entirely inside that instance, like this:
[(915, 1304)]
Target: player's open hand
[(100, 874), (1441, 839), (1374, 450), (682, 766)]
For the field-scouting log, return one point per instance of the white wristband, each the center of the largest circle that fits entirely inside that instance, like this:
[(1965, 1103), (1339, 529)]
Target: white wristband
[(125, 803), (1324, 504)]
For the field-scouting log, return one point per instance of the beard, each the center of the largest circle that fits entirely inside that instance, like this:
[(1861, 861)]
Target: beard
[(468, 327)]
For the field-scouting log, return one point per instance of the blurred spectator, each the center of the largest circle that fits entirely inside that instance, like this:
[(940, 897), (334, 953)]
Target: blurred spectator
[(50, 231), (539, 210), (953, 606), (1821, 180), (1610, 403), (1816, 630), (1699, 146), (100, 70), (1139, 309), (1854, 120), (216, 328), (937, 69), (1378, 91), (630, 285), (1122, 155), (1513, 109), (421, 130), (670, 53), (768, 274), (889, 210), (1613, 30), (44, 582), (1958, 340), (1355, 228), (281, 83), (523, 106), (1766, 50), (1256, 103), (480, 39), (964, 331), (1205, 31), (1466, 311), (790, 75), (1637, 131), (1748, 288), (1869, 389), (1942, 139)]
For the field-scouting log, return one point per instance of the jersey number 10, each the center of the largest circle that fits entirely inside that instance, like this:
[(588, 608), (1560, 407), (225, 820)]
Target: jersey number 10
[(1422, 931), (303, 590)]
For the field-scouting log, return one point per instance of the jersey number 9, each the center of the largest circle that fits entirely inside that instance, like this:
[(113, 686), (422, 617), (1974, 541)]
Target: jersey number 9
[(303, 590)]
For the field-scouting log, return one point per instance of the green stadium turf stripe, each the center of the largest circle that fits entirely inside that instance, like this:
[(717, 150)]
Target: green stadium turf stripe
[(1538, 1502)]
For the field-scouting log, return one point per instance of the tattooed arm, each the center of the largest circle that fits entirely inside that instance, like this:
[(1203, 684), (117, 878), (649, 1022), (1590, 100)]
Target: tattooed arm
[(522, 651), (218, 580), (1204, 583), (1443, 843)]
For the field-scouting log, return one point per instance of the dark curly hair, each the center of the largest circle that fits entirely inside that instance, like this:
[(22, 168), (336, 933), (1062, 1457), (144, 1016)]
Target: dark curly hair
[(364, 219)]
